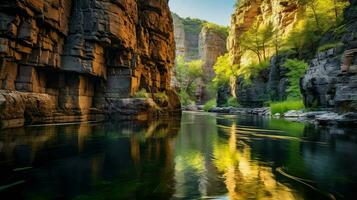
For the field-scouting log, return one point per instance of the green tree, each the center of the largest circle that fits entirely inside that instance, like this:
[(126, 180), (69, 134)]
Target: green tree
[(188, 75), (297, 69), (258, 39)]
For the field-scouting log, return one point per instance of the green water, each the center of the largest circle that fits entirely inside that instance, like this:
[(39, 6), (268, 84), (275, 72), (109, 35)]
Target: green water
[(196, 156)]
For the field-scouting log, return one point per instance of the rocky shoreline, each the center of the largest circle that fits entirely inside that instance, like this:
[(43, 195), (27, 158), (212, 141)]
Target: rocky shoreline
[(321, 118)]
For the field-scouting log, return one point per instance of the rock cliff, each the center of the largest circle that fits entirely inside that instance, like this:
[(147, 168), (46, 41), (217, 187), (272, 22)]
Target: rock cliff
[(75, 60), (269, 84), (331, 80), (199, 40)]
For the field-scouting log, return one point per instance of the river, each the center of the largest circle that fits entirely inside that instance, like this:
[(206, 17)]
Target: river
[(195, 156)]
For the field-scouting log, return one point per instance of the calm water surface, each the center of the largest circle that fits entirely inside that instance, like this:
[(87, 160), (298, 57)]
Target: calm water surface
[(200, 156)]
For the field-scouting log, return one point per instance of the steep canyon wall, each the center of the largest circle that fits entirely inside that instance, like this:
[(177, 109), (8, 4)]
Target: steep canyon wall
[(330, 80), (74, 60), (197, 41)]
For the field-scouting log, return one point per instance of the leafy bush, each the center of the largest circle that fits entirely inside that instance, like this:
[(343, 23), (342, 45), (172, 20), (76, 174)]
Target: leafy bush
[(142, 93), (297, 69), (252, 70), (161, 96), (185, 98), (283, 107), (328, 46), (188, 75), (233, 102), (221, 30), (210, 104), (224, 70)]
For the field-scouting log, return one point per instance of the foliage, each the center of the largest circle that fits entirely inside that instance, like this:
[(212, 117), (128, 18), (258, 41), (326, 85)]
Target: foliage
[(222, 30), (258, 39), (142, 94), (192, 25), (283, 107), (210, 104), (316, 22), (185, 98), (188, 75), (297, 69), (328, 46), (233, 102), (252, 70), (224, 70), (162, 96)]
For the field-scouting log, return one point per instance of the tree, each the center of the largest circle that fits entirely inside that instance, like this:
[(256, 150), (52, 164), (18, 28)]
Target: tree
[(188, 75), (258, 39)]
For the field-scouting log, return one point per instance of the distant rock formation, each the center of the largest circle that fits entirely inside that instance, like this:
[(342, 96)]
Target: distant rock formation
[(197, 41), (74, 60)]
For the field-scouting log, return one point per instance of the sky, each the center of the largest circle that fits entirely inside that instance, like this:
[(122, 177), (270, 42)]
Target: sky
[(216, 11)]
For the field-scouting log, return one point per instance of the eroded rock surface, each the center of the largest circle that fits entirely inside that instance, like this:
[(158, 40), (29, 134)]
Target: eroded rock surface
[(65, 60), (331, 80)]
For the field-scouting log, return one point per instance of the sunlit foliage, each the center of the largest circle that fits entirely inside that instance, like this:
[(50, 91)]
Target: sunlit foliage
[(188, 75), (297, 69)]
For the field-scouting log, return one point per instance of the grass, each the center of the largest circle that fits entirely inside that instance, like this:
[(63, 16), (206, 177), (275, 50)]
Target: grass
[(283, 107), (328, 46), (233, 102), (210, 104), (141, 94)]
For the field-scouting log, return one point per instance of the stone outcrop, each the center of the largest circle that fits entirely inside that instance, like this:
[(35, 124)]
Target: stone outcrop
[(69, 60), (331, 80), (187, 32), (197, 41), (269, 84), (281, 14)]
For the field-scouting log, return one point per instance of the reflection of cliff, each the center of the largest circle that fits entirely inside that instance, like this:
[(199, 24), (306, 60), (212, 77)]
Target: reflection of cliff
[(68, 160)]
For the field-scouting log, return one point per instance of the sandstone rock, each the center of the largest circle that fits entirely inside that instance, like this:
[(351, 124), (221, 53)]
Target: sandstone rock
[(62, 61)]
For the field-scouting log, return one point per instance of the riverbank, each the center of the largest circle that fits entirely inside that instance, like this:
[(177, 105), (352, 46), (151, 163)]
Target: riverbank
[(322, 118)]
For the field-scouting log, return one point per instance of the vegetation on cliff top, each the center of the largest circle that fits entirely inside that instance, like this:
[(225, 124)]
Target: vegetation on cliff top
[(263, 40), (221, 30)]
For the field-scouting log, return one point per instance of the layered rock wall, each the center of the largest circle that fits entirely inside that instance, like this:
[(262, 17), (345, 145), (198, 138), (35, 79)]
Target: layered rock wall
[(269, 84), (331, 80), (196, 41), (64, 60)]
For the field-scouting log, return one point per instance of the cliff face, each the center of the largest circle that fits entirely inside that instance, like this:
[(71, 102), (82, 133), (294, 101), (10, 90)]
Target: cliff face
[(281, 14), (270, 84), (331, 80), (187, 32), (196, 41), (70, 60), (212, 44)]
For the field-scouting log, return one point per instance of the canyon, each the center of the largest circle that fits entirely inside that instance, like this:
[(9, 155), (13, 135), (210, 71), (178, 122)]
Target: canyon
[(330, 80), (200, 40), (83, 60)]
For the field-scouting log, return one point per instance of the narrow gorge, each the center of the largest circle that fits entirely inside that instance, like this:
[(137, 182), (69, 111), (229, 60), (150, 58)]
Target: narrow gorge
[(178, 99)]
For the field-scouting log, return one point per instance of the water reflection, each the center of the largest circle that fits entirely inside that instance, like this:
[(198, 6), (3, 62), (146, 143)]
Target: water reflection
[(197, 156)]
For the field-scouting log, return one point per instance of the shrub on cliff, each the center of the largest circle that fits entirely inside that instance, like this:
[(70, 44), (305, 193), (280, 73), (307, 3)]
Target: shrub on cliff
[(224, 70), (221, 30), (297, 69), (188, 75)]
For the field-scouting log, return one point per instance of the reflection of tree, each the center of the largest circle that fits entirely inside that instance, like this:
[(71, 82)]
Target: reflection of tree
[(244, 177), (195, 173)]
